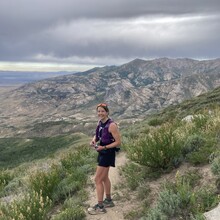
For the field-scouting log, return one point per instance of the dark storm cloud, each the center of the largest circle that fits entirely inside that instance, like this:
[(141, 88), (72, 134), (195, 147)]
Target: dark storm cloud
[(107, 32)]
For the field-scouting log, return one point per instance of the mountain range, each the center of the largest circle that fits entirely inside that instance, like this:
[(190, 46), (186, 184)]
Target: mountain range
[(133, 91)]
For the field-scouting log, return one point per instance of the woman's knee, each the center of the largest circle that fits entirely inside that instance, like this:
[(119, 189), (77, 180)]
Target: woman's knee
[(101, 175), (106, 179), (98, 180)]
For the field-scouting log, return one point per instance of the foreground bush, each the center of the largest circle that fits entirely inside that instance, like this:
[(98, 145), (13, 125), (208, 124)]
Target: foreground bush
[(5, 178), (182, 200), (32, 206), (197, 149), (215, 167), (71, 213), (45, 182), (52, 186), (161, 149)]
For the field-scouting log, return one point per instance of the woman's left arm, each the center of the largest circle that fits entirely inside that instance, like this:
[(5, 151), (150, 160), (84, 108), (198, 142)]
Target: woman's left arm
[(113, 129)]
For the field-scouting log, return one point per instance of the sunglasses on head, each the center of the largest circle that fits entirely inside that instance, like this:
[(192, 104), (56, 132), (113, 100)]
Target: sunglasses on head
[(102, 105)]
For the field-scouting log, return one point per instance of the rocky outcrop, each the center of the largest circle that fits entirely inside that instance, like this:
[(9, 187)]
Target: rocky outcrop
[(213, 214)]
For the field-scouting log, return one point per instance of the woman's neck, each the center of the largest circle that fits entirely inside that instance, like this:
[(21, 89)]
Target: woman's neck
[(104, 120)]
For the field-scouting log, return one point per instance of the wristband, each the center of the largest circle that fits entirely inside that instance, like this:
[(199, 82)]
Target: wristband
[(105, 148)]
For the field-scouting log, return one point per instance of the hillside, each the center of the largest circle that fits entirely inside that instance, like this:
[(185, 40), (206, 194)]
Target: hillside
[(203, 102), (175, 162), (172, 170), (133, 90)]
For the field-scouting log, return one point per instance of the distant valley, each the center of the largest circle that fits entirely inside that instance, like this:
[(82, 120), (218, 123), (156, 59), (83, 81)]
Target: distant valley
[(133, 90)]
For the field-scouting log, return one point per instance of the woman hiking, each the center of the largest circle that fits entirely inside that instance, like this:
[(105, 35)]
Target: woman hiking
[(106, 141)]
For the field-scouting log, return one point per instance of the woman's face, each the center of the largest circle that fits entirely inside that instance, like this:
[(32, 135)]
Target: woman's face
[(102, 114)]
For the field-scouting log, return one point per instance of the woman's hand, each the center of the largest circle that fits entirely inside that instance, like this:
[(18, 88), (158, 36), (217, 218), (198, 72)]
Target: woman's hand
[(92, 143), (99, 148)]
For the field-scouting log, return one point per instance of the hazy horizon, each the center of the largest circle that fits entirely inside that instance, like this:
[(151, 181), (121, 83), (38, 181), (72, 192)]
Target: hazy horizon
[(14, 78)]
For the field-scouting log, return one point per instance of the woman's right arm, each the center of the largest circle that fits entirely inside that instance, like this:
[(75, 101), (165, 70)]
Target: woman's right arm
[(93, 141)]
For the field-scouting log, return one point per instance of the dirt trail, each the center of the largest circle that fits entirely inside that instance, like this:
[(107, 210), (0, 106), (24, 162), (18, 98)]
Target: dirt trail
[(114, 213), (127, 203)]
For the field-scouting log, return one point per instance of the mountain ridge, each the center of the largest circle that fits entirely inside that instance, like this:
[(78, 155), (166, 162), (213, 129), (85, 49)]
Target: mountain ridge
[(133, 90)]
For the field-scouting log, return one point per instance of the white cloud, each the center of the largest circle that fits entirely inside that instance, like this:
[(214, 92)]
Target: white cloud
[(42, 67)]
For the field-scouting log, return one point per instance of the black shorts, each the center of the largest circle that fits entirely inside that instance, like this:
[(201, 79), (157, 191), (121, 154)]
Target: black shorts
[(106, 158)]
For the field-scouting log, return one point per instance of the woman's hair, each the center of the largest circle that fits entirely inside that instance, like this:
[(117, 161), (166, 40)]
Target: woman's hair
[(103, 105)]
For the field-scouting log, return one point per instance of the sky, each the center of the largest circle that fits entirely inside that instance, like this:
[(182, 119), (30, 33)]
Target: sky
[(76, 35)]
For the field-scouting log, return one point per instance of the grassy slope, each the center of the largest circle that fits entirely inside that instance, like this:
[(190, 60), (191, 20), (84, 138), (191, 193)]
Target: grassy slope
[(15, 151)]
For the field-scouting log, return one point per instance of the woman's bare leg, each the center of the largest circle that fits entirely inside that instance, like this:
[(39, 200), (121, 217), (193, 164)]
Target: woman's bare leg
[(107, 186), (100, 179)]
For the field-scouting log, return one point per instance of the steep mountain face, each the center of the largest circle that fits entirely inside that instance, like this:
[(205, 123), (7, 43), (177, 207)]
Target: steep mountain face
[(132, 90)]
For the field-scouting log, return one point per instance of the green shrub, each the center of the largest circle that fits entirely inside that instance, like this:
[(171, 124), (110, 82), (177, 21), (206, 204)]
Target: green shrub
[(32, 206), (198, 149), (77, 159), (193, 177), (72, 208), (69, 185), (201, 156), (79, 199), (199, 216), (215, 166), (12, 187), (169, 203), (200, 121), (181, 200), (130, 134), (206, 199), (184, 192), (71, 213), (193, 143), (45, 182), (159, 150), (133, 215), (133, 174), (60, 182), (156, 121), (75, 169), (155, 214), (5, 178)]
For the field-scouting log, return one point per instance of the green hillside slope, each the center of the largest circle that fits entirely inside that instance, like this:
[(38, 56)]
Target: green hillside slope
[(164, 144), (50, 175), (15, 151)]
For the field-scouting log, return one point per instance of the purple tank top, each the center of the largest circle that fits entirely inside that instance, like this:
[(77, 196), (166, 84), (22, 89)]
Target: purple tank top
[(102, 133)]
